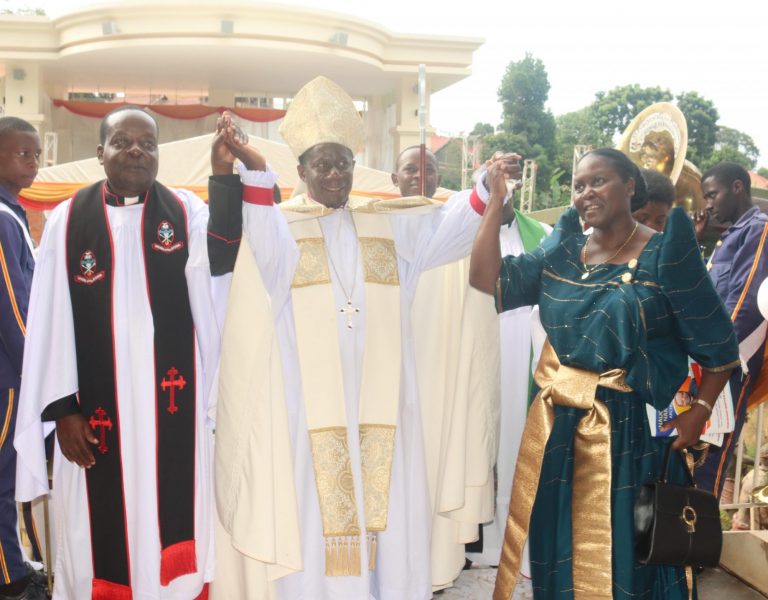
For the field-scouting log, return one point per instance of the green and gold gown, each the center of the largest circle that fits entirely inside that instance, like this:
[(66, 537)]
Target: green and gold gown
[(645, 317)]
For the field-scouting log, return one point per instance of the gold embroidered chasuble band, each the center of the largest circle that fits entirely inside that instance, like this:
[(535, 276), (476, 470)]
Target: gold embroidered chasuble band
[(591, 508), (315, 312)]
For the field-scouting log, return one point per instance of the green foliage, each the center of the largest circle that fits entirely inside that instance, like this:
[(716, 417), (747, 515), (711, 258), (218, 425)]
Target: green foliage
[(701, 117), (517, 142), (554, 183), (558, 194), (616, 108), (523, 94), (727, 154), (725, 520), (578, 127), (531, 130), (734, 146), (763, 172), (482, 129), (528, 128)]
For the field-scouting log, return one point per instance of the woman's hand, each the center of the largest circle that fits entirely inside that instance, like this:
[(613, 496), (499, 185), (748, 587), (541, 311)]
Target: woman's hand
[(689, 424), (501, 168), (485, 262)]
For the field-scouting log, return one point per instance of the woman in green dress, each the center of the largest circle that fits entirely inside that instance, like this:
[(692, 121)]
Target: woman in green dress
[(623, 308)]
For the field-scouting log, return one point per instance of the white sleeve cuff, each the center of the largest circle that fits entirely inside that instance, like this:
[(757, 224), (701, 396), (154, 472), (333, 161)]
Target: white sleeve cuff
[(483, 193), (263, 179), (480, 189)]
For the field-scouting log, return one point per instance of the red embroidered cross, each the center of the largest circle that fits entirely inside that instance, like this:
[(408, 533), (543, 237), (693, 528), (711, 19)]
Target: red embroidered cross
[(103, 424), (172, 385)]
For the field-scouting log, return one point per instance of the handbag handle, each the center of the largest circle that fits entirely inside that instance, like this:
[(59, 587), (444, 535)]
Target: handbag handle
[(665, 469)]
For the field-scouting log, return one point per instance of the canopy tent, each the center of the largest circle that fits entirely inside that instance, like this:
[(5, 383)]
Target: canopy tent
[(186, 164)]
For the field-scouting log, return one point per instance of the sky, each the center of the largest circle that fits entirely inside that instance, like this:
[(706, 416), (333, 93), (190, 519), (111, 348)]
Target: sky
[(715, 49)]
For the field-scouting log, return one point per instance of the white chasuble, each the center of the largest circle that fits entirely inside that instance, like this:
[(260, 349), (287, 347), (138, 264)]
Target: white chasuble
[(274, 532), (50, 373)]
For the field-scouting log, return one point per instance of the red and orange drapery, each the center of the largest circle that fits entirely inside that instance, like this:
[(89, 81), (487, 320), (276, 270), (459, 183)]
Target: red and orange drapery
[(45, 195), (98, 110)]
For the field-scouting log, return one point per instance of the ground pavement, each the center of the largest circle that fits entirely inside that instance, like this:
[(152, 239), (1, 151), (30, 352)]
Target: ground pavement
[(477, 584)]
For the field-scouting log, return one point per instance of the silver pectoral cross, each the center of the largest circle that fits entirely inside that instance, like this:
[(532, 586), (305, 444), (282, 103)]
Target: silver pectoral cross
[(349, 311)]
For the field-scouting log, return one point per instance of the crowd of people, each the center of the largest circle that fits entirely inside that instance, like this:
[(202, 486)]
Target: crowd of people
[(326, 398)]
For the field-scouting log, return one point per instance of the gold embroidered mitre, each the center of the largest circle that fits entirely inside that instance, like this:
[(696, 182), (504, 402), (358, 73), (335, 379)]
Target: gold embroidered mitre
[(322, 113)]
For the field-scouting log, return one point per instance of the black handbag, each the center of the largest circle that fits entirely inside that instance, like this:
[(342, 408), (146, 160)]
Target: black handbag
[(677, 524)]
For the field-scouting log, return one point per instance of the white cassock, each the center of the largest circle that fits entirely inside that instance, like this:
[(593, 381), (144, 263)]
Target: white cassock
[(517, 328), (402, 570), (50, 373)]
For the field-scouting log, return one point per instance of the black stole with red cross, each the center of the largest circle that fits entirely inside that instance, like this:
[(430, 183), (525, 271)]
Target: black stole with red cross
[(90, 264)]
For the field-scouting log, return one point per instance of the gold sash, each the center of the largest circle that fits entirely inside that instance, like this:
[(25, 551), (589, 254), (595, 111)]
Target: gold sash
[(315, 313), (591, 504)]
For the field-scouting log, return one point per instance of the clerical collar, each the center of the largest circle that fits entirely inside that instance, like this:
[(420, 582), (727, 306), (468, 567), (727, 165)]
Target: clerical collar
[(115, 200)]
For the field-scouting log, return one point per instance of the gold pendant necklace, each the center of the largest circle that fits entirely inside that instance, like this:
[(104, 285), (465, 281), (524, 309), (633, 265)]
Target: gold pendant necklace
[(588, 270)]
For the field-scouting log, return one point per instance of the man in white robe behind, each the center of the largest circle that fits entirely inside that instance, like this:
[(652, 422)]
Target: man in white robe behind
[(320, 470), (147, 393), (519, 234), (448, 320)]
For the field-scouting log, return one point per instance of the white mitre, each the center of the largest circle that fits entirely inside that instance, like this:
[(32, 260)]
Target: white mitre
[(322, 113)]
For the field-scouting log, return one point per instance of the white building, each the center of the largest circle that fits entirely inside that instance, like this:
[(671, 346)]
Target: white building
[(231, 54)]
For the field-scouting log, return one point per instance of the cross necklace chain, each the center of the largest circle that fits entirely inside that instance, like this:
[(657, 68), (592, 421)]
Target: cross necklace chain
[(348, 310), (588, 270)]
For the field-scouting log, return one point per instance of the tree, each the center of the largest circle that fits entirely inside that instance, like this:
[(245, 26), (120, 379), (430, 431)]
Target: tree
[(734, 146), (578, 127), (482, 129), (523, 94), (616, 108), (701, 117), (511, 142), (527, 127), (763, 172)]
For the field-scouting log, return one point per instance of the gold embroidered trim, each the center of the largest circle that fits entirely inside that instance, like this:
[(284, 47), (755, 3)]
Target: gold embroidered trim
[(377, 444), (379, 260), (335, 486), (313, 263), (579, 284), (728, 367)]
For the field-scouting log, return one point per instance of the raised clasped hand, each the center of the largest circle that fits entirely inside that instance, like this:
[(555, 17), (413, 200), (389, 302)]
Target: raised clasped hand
[(500, 169), (230, 143)]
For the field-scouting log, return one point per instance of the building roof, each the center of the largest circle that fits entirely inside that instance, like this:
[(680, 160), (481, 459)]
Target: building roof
[(189, 46), (758, 181)]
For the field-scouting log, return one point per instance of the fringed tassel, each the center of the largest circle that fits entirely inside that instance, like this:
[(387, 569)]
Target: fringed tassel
[(101, 589), (342, 556), (177, 560), (371, 535)]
